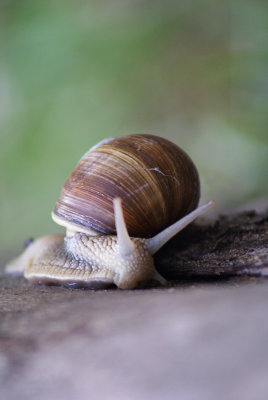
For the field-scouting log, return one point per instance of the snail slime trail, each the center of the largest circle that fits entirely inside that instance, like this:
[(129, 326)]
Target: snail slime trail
[(123, 201)]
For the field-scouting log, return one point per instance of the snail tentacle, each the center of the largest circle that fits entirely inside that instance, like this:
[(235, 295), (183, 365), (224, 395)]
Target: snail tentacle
[(155, 243), (159, 278), (125, 244)]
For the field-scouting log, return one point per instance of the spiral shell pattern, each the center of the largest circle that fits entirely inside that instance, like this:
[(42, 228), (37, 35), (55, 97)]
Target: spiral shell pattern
[(156, 180)]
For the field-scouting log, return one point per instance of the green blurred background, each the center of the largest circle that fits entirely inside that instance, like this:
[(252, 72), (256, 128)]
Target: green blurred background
[(75, 72)]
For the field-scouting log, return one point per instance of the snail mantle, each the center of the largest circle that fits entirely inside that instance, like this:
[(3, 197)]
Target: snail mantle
[(124, 200)]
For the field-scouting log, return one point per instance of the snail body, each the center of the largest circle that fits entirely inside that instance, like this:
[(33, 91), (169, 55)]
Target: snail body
[(125, 199)]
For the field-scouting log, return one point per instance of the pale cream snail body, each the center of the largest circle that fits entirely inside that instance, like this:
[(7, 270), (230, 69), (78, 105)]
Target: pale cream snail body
[(124, 200)]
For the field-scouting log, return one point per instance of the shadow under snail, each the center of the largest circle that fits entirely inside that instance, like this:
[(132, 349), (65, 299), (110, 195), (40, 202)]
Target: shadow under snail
[(124, 200)]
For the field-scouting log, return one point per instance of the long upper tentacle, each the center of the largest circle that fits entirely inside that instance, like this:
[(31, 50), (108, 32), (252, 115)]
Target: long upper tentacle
[(155, 243), (126, 246)]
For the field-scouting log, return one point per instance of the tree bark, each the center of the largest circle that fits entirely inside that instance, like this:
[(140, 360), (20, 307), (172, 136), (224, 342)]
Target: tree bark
[(233, 245)]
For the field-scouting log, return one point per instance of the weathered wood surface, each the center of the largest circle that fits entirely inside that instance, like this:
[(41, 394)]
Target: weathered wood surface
[(233, 245), (191, 340)]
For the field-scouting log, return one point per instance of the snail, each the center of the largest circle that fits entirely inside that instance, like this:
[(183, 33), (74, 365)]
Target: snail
[(124, 200)]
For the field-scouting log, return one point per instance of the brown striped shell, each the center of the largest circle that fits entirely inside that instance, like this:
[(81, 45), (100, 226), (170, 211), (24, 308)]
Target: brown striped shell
[(156, 180)]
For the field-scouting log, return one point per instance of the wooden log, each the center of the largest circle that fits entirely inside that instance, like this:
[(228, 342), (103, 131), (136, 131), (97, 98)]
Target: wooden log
[(233, 245), (190, 340)]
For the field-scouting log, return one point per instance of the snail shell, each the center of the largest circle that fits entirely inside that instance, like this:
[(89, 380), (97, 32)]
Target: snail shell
[(156, 180), (144, 186)]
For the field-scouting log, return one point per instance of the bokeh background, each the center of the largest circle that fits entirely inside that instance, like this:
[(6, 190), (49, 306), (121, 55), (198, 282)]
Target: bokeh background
[(75, 72)]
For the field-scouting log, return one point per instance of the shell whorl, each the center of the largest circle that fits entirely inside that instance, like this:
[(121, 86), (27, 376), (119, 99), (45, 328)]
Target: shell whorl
[(156, 180)]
